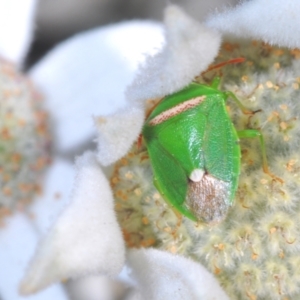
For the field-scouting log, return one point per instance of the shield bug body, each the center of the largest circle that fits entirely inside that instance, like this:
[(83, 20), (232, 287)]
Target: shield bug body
[(194, 151)]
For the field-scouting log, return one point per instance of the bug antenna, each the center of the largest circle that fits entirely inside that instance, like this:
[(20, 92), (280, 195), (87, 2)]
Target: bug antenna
[(224, 63)]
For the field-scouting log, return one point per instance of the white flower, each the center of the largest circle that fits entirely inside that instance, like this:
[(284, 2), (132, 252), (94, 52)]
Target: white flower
[(16, 28), (272, 21), (86, 240), (85, 81), (18, 238), (55, 259)]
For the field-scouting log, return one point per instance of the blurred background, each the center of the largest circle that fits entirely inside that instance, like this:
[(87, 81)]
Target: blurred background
[(58, 19)]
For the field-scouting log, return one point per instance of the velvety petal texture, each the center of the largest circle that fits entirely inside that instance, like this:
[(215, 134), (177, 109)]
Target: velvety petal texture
[(86, 239), (165, 276), (117, 132), (274, 21), (95, 288), (190, 48)]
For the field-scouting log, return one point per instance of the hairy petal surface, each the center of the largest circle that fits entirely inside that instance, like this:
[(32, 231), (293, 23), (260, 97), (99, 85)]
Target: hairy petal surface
[(162, 275), (95, 288), (117, 132), (190, 48), (274, 21), (86, 239)]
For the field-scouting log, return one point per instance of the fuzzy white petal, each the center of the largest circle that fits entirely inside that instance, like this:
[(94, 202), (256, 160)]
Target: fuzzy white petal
[(95, 288), (162, 275), (117, 132), (86, 238), (16, 27), (18, 240), (134, 295), (190, 48), (274, 21), (57, 187), (87, 75)]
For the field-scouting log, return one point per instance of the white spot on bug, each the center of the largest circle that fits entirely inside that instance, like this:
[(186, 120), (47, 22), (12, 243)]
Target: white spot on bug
[(197, 175), (176, 110)]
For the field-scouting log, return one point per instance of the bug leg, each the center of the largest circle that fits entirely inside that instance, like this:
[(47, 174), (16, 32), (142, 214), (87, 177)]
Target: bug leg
[(139, 141), (216, 82), (254, 133), (179, 218), (224, 63), (244, 109)]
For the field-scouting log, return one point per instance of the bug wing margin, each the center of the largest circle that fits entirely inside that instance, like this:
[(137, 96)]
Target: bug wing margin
[(170, 179)]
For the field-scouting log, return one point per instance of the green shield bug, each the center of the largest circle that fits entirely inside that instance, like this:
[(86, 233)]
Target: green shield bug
[(194, 151)]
